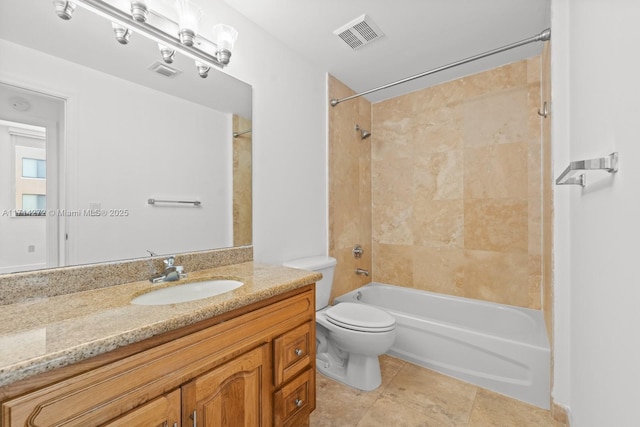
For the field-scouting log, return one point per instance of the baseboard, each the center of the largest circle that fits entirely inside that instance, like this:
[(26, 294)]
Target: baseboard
[(560, 413)]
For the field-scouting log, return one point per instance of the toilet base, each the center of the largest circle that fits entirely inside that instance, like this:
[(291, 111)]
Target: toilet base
[(357, 371)]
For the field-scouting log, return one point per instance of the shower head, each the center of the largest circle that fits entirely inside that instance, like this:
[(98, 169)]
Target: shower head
[(364, 134)]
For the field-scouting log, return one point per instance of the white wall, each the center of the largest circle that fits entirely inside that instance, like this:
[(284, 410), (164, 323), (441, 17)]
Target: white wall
[(289, 141), (595, 111), (127, 143)]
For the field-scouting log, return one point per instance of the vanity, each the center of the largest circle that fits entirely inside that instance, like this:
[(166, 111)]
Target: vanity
[(243, 358)]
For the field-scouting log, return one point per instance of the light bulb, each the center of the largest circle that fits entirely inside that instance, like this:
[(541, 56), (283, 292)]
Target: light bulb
[(189, 16), (224, 37)]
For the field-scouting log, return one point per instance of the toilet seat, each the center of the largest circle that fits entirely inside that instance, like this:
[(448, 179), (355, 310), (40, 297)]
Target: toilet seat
[(360, 317)]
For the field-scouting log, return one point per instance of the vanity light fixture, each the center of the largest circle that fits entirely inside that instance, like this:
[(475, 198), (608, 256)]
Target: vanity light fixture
[(189, 16), (123, 34), (128, 16), (167, 53), (64, 9), (140, 10), (203, 69), (224, 36)]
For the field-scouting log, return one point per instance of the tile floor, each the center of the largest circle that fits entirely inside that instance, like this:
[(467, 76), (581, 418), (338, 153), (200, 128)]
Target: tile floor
[(412, 396)]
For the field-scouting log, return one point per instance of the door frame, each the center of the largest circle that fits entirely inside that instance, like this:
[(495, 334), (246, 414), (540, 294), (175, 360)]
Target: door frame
[(57, 152)]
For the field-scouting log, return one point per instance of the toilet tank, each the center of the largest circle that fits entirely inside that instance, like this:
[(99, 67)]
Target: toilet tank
[(322, 264)]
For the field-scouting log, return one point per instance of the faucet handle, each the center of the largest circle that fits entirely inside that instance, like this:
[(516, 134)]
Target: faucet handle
[(180, 271), (170, 261)]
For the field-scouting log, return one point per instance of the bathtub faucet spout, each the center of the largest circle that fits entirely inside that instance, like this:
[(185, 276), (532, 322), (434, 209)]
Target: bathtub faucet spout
[(362, 271)]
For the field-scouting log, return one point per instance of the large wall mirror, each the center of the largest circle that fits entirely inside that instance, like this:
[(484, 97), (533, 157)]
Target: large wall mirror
[(89, 132)]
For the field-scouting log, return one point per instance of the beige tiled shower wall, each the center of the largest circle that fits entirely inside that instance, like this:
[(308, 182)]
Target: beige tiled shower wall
[(242, 186), (456, 187), (349, 188)]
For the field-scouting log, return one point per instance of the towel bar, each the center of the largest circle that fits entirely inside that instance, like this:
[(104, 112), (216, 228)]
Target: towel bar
[(194, 202), (608, 163)]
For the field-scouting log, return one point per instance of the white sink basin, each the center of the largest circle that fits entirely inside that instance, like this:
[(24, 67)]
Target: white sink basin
[(187, 292)]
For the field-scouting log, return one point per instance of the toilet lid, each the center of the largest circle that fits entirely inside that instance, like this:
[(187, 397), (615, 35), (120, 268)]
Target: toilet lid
[(360, 317)]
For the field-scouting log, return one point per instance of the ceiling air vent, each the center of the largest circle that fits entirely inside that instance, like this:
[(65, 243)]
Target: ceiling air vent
[(165, 70), (359, 32)]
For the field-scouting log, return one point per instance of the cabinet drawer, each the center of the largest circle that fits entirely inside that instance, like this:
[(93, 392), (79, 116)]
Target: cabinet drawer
[(294, 402), (292, 352)]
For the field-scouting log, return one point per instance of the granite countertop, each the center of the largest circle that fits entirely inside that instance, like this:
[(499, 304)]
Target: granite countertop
[(44, 334)]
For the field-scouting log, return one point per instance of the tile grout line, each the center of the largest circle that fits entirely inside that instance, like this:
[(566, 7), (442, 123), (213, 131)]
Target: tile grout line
[(475, 401), (381, 392)]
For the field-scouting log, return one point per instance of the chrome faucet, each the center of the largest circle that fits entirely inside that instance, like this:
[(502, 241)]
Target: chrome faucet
[(171, 272)]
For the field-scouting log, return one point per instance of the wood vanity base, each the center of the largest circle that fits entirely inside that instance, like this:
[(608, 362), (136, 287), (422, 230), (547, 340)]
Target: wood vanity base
[(254, 366)]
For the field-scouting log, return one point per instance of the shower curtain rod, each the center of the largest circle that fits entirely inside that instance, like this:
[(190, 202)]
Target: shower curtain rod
[(543, 36), (237, 134)]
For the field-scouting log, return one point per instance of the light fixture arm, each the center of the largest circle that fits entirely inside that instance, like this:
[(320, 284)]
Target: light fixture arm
[(153, 32)]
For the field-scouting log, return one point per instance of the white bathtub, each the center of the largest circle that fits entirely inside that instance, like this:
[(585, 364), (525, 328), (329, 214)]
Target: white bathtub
[(499, 347)]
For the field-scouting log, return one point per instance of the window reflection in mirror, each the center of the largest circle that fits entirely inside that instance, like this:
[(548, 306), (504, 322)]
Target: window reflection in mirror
[(31, 174)]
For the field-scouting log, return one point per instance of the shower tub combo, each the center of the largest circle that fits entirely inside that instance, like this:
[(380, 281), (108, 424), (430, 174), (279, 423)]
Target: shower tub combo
[(499, 347)]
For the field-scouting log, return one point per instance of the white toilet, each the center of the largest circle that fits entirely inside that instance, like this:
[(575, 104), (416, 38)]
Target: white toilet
[(349, 336)]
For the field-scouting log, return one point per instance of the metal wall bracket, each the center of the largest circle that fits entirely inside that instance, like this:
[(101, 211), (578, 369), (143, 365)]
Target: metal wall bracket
[(544, 112), (608, 163)]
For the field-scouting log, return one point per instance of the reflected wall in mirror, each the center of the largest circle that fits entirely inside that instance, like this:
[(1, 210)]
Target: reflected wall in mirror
[(242, 190), (121, 134)]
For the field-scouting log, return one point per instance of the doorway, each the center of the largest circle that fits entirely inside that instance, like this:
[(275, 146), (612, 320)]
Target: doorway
[(31, 140)]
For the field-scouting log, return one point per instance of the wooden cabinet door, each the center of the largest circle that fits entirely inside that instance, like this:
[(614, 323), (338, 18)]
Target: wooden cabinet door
[(236, 394), (161, 412)]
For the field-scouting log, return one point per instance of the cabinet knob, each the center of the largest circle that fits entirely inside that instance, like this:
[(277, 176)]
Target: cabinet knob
[(299, 403), (298, 352)]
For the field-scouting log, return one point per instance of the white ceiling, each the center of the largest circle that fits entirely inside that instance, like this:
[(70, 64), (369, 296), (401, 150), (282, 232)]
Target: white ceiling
[(419, 35)]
